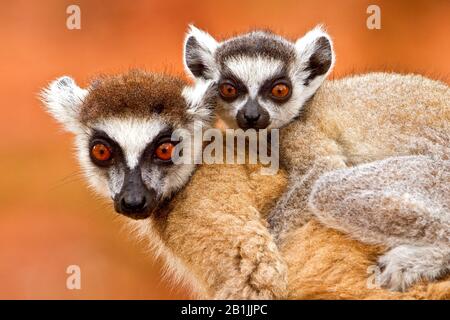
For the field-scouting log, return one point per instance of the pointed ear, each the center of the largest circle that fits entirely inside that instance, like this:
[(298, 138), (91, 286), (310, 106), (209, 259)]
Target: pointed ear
[(63, 99), (199, 49), (315, 55), (200, 99)]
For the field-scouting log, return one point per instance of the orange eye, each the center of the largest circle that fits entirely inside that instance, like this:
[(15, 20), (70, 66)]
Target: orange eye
[(101, 152), (227, 90), (164, 151), (280, 91)]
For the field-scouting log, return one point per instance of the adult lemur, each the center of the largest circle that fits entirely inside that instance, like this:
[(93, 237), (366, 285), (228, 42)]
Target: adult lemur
[(266, 81), (207, 233)]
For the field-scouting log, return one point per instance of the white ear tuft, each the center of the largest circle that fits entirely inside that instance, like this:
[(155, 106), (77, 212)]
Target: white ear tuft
[(199, 49), (63, 99), (200, 99), (315, 54)]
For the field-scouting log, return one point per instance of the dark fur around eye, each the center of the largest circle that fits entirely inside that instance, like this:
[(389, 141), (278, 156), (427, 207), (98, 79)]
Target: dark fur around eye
[(101, 138), (241, 89), (149, 153), (266, 89)]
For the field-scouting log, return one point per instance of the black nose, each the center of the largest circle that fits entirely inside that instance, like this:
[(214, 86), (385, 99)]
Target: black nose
[(131, 203), (252, 117), (135, 200)]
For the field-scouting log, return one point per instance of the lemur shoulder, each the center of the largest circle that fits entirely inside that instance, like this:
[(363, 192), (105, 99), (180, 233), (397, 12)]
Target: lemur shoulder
[(265, 81)]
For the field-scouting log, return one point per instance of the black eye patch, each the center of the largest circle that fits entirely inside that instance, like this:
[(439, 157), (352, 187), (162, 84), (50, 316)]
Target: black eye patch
[(162, 137), (101, 138), (228, 77), (265, 91)]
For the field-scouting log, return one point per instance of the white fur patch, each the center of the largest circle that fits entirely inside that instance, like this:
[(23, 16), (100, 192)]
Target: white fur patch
[(404, 265), (194, 99), (306, 46), (132, 134), (97, 182), (63, 99), (208, 46), (253, 71)]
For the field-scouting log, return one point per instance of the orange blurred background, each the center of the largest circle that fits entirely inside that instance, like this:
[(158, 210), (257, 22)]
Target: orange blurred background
[(48, 218)]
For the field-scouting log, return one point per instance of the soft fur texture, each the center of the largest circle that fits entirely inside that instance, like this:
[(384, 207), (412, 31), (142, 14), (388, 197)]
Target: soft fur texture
[(221, 245), (357, 120), (407, 200), (211, 232), (363, 119), (214, 229), (349, 129), (424, 189), (324, 263), (253, 63), (214, 233)]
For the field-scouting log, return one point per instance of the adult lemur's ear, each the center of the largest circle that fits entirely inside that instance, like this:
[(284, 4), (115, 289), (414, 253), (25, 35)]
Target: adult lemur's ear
[(63, 99), (200, 99), (199, 49), (315, 55)]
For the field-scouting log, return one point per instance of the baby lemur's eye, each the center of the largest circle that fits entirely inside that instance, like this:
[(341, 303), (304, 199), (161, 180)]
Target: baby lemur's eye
[(101, 153), (227, 90), (164, 151), (280, 91)]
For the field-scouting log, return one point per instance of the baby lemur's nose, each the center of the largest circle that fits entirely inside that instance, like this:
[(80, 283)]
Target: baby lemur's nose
[(252, 116)]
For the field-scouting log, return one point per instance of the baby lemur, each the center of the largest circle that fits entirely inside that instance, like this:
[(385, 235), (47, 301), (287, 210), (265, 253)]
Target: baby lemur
[(264, 81)]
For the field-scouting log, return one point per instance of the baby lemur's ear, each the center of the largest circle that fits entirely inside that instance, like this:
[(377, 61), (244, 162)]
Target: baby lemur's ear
[(199, 49), (315, 55), (63, 99)]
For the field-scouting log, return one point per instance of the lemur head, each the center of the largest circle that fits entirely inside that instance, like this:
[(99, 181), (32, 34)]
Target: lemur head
[(123, 126), (263, 80)]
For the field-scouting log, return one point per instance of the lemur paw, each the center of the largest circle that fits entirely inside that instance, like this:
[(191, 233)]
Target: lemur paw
[(395, 275), (262, 273), (405, 265)]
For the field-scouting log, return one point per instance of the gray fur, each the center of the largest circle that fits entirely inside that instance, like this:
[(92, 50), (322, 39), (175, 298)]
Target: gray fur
[(353, 123), (401, 202)]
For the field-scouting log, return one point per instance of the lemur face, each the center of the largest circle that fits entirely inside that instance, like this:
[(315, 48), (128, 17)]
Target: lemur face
[(263, 80), (123, 126)]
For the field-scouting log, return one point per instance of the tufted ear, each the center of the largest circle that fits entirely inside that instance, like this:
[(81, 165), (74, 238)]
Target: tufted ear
[(199, 49), (315, 56), (63, 99), (200, 100)]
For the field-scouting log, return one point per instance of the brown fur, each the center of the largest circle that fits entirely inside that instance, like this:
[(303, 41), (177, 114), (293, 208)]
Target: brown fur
[(326, 264), (322, 263), (216, 231), (135, 94), (224, 244)]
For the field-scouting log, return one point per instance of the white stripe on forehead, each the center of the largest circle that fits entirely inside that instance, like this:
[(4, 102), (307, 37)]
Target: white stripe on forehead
[(253, 71), (132, 135)]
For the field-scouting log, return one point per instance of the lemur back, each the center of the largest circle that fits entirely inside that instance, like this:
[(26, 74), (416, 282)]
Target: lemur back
[(370, 117)]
